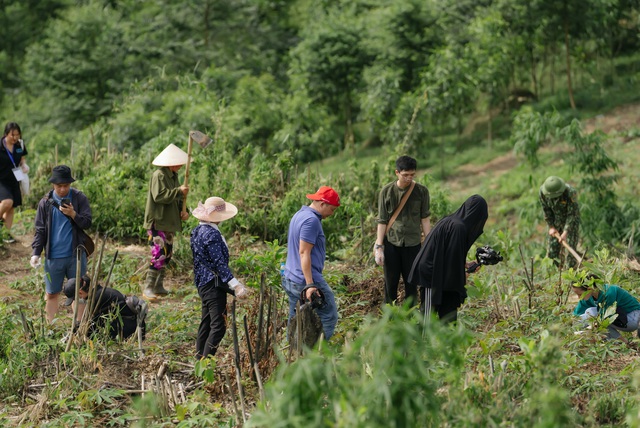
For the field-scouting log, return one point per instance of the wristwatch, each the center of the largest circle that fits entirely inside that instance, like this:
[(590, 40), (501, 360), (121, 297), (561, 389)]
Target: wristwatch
[(379, 246)]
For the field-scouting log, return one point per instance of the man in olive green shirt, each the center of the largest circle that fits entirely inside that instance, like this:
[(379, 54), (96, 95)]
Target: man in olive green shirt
[(396, 249), (163, 216)]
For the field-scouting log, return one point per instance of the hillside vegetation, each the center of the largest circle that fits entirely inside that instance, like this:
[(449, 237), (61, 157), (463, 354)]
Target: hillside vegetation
[(491, 97)]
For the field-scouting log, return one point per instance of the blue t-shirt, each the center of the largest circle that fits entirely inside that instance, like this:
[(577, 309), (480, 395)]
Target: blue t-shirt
[(305, 225), (61, 232)]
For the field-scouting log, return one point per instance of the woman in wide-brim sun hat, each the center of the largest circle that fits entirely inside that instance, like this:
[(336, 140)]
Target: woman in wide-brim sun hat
[(212, 276)]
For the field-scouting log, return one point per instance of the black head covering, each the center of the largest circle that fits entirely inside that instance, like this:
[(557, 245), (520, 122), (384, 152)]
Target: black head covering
[(473, 213)]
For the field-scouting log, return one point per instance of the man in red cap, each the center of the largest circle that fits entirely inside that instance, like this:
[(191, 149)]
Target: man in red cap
[(306, 254)]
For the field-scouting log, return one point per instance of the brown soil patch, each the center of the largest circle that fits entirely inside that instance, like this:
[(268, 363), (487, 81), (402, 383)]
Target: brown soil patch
[(620, 119), (15, 264)]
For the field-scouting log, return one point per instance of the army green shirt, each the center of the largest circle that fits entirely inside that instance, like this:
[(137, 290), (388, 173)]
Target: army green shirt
[(406, 230), (562, 212), (164, 201)]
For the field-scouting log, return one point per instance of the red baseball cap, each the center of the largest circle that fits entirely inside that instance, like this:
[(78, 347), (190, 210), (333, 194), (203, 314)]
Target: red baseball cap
[(326, 194)]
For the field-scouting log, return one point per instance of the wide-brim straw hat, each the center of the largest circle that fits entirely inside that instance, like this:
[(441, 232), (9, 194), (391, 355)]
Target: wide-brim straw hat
[(214, 210), (171, 156), (553, 187)]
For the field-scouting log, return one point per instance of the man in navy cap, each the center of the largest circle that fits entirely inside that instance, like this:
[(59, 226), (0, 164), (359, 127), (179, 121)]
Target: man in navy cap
[(61, 218)]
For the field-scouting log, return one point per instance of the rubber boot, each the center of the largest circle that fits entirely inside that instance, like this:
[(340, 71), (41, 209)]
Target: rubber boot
[(159, 290), (150, 283)]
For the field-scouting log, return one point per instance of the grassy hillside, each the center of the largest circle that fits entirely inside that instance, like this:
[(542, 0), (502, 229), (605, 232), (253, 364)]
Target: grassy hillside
[(514, 358)]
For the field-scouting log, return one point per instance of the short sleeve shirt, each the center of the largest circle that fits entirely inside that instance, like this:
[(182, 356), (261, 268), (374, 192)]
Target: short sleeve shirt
[(406, 231), (6, 165), (305, 225)]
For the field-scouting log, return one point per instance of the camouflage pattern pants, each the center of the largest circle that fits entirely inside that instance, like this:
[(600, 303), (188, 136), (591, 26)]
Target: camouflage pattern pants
[(555, 250)]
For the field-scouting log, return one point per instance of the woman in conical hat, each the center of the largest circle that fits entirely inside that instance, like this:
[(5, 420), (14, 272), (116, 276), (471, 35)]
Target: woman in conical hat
[(162, 216)]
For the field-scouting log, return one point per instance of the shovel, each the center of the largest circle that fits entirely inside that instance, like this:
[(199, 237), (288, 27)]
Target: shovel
[(573, 252), (203, 140)]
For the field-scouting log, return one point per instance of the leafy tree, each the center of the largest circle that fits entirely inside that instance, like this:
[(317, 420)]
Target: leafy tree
[(79, 66), (253, 114), (329, 61), (401, 37), (23, 23), (491, 50)]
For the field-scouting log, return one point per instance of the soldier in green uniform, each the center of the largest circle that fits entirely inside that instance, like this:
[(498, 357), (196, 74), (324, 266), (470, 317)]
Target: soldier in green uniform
[(562, 214)]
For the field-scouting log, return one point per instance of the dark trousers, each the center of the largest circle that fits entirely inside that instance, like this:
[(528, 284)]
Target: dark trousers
[(213, 323), (447, 310), (398, 261)]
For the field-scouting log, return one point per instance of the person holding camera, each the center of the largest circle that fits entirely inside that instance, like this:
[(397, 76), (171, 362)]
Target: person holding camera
[(12, 168), (441, 268), (61, 217)]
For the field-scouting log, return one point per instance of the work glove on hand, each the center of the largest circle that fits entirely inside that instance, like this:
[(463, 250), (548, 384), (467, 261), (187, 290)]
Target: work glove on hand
[(379, 253), (240, 291), (35, 262)]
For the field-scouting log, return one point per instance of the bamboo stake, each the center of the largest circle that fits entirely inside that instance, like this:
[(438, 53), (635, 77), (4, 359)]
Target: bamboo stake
[(236, 360), (254, 363), (267, 336), (233, 397), (75, 307), (260, 317)]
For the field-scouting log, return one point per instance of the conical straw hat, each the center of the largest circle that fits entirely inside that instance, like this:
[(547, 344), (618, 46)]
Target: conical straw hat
[(171, 156)]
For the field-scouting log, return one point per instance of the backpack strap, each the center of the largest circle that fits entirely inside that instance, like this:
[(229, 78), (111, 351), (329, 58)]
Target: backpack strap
[(396, 213)]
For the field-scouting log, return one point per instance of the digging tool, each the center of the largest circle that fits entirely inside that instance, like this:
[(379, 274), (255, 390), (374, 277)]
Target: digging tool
[(203, 140), (573, 252)]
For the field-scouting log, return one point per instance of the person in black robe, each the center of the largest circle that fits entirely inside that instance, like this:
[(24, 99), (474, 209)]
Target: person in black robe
[(440, 267)]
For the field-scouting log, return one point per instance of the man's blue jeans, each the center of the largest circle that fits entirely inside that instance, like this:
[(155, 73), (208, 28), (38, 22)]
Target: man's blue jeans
[(328, 315)]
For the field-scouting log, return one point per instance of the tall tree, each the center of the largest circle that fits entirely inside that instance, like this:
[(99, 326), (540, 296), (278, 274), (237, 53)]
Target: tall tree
[(23, 22), (79, 66), (329, 63)]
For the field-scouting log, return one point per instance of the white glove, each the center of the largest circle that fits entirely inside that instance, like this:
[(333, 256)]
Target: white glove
[(35, 262), (240, 291), (25, 168), (379, 256)]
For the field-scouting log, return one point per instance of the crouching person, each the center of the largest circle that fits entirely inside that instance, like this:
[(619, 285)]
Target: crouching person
[(113, 311), (595, 301)]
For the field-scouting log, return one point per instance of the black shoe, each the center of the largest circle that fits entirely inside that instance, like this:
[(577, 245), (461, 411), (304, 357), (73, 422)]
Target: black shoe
[(9, 240)]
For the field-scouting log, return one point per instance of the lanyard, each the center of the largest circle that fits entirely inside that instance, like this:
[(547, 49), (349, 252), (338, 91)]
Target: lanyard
[(4, 143)]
